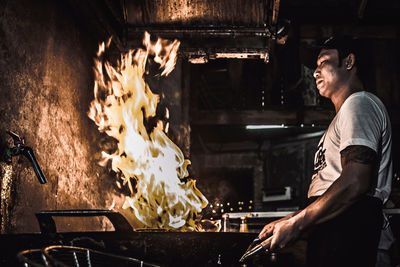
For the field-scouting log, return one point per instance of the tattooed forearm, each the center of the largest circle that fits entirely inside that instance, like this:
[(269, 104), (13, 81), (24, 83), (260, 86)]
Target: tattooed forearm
[(359, 154)]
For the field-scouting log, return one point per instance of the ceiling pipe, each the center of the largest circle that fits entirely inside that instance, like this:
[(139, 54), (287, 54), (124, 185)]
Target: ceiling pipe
[(361, 9), (215, 31), (200, 51)]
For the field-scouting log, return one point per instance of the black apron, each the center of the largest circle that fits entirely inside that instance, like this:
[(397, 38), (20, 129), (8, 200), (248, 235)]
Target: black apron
[(349, 239)]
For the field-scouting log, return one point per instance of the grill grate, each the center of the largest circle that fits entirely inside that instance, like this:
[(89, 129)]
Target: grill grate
[(68, 256), (32, 257)]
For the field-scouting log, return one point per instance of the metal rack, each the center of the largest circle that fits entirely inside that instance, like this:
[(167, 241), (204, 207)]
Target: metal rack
[(66, 256)]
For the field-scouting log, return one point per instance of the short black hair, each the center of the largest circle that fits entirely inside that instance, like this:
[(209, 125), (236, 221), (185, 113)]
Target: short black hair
[(345, 45)]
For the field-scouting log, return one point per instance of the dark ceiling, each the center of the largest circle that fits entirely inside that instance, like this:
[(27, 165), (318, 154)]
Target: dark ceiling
[(189, 13), (245, 26), (127, 19), (241, 23), (374, 12), (256, 13)]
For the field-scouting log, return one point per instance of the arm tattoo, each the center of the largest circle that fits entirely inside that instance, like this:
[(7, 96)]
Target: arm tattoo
[(359, 154)]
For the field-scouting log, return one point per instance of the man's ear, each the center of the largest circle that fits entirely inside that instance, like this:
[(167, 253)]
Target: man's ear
[(349, 61)]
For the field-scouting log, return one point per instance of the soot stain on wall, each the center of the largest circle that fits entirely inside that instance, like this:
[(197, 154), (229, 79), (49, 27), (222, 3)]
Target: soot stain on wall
[(46, 84)]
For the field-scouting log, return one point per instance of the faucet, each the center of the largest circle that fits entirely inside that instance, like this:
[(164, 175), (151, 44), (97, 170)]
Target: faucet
[(20, 148)]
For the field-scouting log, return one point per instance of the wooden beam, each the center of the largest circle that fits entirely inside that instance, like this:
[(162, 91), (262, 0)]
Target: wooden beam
[(318, 117), (243, 117), (246, 117)]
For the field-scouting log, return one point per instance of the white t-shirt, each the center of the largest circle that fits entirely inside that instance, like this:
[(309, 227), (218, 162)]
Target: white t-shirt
[(362, 120)]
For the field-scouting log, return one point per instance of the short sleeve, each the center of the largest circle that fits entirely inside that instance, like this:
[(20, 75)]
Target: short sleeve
[(360, 122)]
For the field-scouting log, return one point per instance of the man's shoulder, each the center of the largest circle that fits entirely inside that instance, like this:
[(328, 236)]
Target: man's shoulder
[(363, 99), (362, 109), (364, 96)]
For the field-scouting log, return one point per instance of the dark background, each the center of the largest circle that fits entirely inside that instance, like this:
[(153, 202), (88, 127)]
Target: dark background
[(46, 85)]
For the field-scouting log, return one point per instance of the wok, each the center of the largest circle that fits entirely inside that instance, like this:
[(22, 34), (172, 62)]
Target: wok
[(166, 248)]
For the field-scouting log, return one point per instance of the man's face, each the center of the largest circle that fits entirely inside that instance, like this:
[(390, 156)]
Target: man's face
[(328, 74)]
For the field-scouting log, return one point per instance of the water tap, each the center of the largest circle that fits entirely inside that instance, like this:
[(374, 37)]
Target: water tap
[(20, 148), (225, 227)]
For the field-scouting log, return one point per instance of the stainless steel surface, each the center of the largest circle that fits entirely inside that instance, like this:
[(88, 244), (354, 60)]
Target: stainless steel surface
[(262, 214), (279, 214)]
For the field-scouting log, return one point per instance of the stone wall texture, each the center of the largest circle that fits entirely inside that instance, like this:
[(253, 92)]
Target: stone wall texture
[(46, 85)]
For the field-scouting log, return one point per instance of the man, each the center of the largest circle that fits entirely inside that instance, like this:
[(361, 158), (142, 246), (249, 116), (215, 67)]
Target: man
[(352, 169)]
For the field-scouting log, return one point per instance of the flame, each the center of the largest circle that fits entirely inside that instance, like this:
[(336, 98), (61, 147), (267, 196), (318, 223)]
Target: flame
[(122, 100)]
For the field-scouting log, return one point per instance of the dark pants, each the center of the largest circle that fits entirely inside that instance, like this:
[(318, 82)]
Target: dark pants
[(350, 239)]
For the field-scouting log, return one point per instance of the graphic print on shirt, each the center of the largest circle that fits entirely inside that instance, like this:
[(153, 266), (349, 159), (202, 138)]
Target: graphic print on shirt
[(319, 159)]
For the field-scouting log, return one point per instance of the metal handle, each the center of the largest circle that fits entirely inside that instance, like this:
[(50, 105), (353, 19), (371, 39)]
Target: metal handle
[(251, 251), (28, 152), (20, 148), (48, 226)]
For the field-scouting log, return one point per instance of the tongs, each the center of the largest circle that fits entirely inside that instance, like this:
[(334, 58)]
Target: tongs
[(258, 245)]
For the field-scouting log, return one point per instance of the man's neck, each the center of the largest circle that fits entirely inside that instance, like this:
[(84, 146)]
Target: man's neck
[(342, 94)]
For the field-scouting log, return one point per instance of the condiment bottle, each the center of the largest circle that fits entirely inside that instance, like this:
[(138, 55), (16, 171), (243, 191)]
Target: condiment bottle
[(243, 224)]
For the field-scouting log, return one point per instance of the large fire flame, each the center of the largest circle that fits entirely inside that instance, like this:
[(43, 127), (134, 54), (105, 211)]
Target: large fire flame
[(160, 198)]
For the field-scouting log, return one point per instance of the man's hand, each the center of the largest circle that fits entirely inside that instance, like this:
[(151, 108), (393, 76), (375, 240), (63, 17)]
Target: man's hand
[(284, 233), (268, 230)]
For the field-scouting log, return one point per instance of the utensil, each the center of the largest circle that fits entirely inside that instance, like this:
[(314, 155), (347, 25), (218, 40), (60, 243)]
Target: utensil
[(261, 247)]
